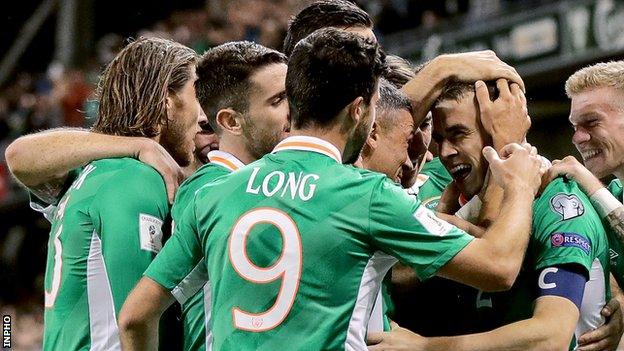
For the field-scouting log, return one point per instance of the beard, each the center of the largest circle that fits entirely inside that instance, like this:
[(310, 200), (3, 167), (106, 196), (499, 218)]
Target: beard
[(259, 141), (173, 140), (354, 145)]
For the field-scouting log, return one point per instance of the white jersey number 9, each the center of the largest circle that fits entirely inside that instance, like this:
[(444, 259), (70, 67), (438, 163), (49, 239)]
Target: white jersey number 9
[(287, 268)]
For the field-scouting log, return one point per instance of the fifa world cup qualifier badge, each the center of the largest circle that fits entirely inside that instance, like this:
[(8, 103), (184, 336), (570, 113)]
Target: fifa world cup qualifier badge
[(6, 331), (568, 206)]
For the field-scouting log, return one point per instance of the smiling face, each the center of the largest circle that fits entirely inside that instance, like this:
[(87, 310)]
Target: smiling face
[(597, 116), (461, 138), (391, 153)]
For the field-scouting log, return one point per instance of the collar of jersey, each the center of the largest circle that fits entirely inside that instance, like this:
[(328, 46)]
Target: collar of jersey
[(308, 143), (225, 159)]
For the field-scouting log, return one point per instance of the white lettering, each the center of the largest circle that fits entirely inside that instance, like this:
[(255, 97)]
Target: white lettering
[(292, 183), (249, 189), (267, 179), (302, 186), (542, 278), (311, 187)]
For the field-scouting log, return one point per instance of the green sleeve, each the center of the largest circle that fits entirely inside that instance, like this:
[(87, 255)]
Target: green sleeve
[(435, 178), (180, 267), (401, 227), (128, 213), (565, 227)]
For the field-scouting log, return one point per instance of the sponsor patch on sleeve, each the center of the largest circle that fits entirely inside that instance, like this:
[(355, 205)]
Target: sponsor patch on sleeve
[(431, 222), (568, 206), (564, 239), (150, 232)]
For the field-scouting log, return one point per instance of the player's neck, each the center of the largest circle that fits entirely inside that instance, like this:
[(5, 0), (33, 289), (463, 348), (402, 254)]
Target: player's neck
[(236, 149), (332, 136)]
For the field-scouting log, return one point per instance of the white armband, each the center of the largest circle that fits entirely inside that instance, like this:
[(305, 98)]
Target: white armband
[(604, 202), (470, 211)]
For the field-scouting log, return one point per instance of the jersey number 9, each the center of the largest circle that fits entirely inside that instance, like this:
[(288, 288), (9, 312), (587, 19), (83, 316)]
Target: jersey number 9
[(287, 267)]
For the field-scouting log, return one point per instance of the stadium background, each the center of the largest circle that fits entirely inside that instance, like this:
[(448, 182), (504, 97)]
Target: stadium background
[(52, 51)]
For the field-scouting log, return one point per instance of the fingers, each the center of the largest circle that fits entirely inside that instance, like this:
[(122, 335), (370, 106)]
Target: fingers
[(503, 88), (610, 308), (509, 149), (491, 155), (597, 346), (481, 91)]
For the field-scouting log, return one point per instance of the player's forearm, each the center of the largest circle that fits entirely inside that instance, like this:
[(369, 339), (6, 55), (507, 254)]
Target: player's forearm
[(492, 201), (140, 314), (425, 88), (611, 209), (508, 236), (47, 156), (525, 335)]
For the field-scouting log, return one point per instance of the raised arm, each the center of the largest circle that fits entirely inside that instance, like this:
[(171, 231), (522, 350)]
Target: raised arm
[(425, 88), (42, 161), (492, 262)]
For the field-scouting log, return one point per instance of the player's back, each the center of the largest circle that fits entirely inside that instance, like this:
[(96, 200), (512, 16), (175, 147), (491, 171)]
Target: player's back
[(84, 289), (293, 250)]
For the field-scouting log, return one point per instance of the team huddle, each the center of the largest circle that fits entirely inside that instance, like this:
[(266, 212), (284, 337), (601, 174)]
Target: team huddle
[(292, 201)]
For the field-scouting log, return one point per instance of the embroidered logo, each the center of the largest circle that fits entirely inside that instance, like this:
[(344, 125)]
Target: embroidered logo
[(563, 239), (568, 206)]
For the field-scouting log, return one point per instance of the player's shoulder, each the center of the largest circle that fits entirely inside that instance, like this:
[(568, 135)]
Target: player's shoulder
[(205, 174), (129, 175), (564, 200)]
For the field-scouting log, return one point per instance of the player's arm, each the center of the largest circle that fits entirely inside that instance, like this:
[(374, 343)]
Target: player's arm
[(554, 319), (171, 275), (425, 88), (493, 261), (42, 161), (413, 234), (138, 320), (604, 202), (129, 214)]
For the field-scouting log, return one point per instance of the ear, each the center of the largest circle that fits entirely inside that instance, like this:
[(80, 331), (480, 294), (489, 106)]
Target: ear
[(169, 104), (372, 142), (229, 121), (356, 110)]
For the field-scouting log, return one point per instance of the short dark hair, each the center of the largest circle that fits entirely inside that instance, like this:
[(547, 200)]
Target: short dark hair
[(390, 99), (456, 90), (223, 76), (326, 71), (321, 14), (399, 71)]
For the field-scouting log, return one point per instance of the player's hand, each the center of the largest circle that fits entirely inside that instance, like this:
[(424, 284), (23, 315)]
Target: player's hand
[(478, 65), (397, 339), (153, 154), (608, 336), (517, 165), (571, 168), (506, 119)]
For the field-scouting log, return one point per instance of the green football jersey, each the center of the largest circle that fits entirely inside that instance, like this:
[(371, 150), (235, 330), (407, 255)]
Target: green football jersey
[(196, 309), (106, 230), (566, 230), (616, 251), (296, 245), (432, 180)]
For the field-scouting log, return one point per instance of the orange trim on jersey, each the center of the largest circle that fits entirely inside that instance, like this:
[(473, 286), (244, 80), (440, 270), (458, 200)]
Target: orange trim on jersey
[(224, 162), (308, 145)]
